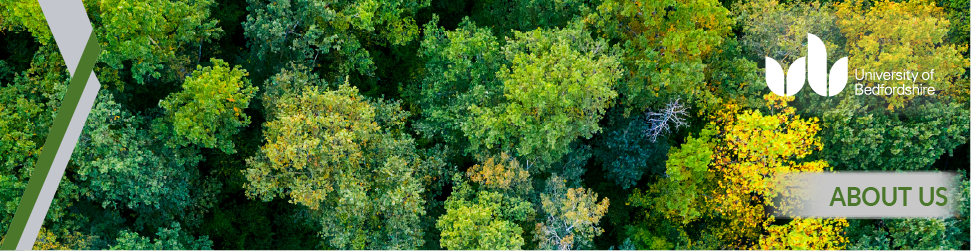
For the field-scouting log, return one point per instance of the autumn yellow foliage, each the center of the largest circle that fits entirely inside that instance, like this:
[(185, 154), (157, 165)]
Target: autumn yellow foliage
[(805, 234)]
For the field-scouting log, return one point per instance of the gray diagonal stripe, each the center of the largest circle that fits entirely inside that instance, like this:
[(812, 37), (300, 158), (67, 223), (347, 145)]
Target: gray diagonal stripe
[(63, 156)]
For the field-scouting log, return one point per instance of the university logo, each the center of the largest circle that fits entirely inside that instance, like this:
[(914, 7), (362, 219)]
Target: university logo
[(813, 66)]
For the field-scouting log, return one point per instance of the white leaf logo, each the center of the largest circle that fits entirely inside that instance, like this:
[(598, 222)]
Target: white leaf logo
[(796, 77)]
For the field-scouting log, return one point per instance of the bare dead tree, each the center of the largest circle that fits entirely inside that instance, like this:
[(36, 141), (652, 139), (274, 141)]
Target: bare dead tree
[(659, 122)]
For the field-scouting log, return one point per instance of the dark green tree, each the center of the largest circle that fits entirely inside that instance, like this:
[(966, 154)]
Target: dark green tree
[(122, 164), (28, 107), (504, 17), (173, 238), (312, 32), (859, 136), (459, 73)]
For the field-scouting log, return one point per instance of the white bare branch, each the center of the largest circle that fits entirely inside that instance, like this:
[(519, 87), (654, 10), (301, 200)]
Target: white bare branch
[(660, 122)]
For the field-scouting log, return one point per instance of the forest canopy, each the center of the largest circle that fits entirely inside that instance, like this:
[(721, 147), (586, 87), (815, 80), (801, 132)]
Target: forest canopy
[(463, 124)]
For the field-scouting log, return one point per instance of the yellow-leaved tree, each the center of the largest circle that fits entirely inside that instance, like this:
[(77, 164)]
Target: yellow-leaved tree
[(903, 36), (753, 151), (729, 173)]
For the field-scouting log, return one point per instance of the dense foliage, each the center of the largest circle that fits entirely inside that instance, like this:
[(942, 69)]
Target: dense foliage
[(501, 124)]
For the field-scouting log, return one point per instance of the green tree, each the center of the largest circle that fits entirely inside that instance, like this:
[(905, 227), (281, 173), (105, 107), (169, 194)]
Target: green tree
[(173, 238), (539, 92), (487, 221), (732, 80), (432, 171), (778, 30), (121, 164), (291, 79), (687, 173), (459, 73), (345, 158), (624, 151), (50, 240), (805, 234), (140, 38), (335, 31), (959, 31), (25, 15), (557, 86), (209, 109), (490, 211), (505, 17), (28, 107), (677, 199), (860, 136), (664, 44)]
